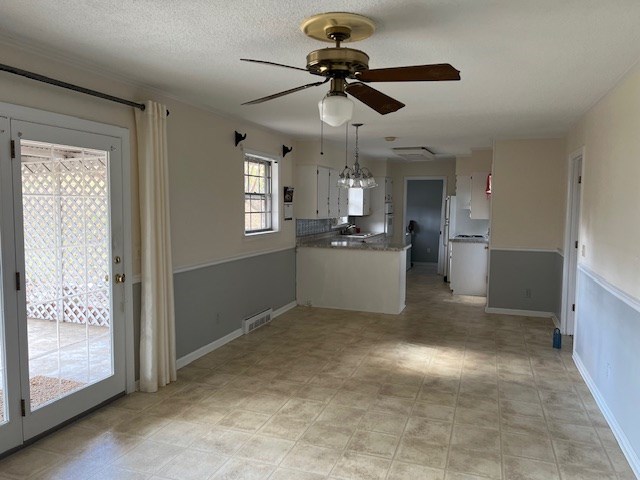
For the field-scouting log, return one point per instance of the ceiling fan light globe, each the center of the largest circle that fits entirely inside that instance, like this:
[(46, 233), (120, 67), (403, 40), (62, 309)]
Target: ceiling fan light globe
[(335, 110)]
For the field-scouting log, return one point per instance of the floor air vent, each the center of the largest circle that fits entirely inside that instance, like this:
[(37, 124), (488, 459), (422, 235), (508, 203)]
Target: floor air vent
[(258, 320)]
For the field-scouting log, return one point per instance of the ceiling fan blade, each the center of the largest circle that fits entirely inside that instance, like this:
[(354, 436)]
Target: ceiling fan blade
[(371, 97), (273, 63), (417, 73), (286, 92)]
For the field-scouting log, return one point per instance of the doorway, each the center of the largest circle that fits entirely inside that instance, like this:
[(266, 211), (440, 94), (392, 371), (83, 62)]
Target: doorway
[(572, 244), (424, 205), (64, 301)]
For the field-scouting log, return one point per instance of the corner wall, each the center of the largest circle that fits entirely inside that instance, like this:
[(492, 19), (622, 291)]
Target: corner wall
[(206, 198), (527, 226), (608, 289)]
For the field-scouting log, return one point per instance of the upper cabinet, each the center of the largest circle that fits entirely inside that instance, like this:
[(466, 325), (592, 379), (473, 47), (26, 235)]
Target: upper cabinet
[(359, 202), (463, 192), (388, 190), (480, 201), (343, 202), (317, 193), (472, 196)]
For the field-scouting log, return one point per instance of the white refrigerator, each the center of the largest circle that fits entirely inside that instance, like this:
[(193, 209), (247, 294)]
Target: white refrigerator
[(448, 233)]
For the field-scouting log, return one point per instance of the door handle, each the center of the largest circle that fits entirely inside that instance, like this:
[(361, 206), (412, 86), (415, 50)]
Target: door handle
[(120, 278)]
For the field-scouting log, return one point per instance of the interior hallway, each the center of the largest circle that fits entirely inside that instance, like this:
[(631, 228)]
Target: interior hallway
[(440, 391)]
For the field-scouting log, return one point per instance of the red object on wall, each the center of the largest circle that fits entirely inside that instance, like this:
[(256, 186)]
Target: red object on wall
[(488, 189)]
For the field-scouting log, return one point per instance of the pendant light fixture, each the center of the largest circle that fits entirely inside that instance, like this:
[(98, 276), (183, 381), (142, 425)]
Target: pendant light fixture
[(335, 108), (356, 177)]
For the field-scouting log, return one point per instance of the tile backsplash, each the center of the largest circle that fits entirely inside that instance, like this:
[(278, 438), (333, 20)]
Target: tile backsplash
[(312, 227)]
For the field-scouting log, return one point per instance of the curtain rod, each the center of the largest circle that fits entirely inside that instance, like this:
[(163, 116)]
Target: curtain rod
[(70, 86)]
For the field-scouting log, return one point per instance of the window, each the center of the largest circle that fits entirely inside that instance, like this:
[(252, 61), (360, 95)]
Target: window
[(260, 205)]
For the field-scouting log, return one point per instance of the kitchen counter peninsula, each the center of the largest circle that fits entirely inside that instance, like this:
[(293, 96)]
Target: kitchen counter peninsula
[(351, 274)]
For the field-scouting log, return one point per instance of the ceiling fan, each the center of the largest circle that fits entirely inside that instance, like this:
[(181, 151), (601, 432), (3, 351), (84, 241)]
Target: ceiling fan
[(339, 64)]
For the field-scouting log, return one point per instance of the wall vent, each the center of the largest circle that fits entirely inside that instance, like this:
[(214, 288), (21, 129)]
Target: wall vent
[(256, 321), (415, 154)]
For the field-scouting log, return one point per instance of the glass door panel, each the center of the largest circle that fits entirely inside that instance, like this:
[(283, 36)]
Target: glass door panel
[(65, 202), (67, 186)]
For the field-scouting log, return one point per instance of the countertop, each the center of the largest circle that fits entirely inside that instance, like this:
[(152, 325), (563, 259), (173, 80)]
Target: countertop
[(470, 239), (374, 243)]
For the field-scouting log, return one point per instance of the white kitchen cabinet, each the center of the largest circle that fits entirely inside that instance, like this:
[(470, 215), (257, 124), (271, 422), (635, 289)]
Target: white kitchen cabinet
[(388, 190), (334, 192), (317, 193), (471, 194), (469, 262), (463, 191), (312, 192), (359, 202), (343, 202), (480, 201)]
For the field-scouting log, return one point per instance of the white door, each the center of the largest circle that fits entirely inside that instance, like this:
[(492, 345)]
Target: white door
[(65, 256), (574, 230)]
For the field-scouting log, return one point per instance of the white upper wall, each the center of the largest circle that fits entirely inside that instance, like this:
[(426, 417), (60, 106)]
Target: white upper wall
[(334, 155), (529, 194), (610, 217), (205, 166)]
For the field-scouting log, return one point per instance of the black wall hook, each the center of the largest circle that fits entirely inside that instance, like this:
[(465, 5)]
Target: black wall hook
[(286, 150), (240, 137)]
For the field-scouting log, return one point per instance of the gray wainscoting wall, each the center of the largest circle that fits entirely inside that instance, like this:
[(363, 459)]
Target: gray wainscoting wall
[(514, 272), (606, 344), (212, 301)]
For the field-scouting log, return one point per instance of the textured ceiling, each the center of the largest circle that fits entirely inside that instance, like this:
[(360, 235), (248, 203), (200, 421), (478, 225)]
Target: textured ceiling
[(529, 67)]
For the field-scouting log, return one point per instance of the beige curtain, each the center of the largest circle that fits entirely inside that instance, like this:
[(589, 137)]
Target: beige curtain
[(157, 322)]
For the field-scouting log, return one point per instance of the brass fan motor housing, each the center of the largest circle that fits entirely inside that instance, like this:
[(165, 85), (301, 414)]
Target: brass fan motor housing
[(337, 62)]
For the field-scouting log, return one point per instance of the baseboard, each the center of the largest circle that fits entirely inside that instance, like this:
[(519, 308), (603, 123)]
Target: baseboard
[(520, 313), (202, 351), (623, 441), (284, 309)]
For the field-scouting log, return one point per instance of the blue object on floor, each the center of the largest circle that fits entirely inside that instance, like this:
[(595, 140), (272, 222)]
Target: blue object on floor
[(557, 338)]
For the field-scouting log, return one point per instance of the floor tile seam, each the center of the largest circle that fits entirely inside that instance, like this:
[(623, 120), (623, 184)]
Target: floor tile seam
[(406, 422), (546, 422), (453, 421), (256, 434), (601, 443)]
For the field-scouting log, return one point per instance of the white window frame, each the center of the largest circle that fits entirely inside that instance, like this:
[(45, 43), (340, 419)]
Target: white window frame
[(274, 191)]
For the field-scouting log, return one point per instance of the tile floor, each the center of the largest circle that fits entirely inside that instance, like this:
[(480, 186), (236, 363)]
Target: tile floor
[(443, 391)]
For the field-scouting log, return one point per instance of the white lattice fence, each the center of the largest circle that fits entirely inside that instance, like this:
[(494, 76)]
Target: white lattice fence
[(66, 232)]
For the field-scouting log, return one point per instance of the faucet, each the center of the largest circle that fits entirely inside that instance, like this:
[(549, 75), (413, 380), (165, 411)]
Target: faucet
[(348, 230)]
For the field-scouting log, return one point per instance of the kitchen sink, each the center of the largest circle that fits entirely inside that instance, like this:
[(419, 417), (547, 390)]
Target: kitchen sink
[(360, 235)]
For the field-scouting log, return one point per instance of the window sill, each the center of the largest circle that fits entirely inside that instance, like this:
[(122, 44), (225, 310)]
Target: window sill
[(258, 234)]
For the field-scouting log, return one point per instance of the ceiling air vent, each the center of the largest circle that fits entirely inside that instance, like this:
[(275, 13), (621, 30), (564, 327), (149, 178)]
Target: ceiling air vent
[(415, 154)]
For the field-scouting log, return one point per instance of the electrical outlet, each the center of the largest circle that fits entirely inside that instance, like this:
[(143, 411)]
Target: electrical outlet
[(608, 370), (584, 250), (527, 293)]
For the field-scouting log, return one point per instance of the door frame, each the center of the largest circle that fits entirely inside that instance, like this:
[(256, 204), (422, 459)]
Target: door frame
[(27, 114), (575, 169), (441, 250)]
